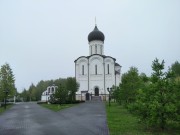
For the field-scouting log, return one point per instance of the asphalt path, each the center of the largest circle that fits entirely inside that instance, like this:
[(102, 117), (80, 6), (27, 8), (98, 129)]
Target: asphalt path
[(31, 119)]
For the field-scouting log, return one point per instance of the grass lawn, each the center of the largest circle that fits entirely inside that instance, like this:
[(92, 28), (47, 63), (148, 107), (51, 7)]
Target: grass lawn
[(57, 107), (3, 110), (121, 122)]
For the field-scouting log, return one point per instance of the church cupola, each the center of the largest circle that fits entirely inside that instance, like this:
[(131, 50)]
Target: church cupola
[(96, 42), (96, 35)]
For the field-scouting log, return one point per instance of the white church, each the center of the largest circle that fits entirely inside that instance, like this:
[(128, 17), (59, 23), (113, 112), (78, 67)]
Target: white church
[(96, 73)]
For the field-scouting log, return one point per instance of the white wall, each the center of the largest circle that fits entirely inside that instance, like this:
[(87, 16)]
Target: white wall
[(95, 80), (92, 47), (48, 92), (80, 78), (103, 79)]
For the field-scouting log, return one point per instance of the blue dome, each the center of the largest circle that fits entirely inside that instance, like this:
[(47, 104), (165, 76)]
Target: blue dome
[(96, 35)]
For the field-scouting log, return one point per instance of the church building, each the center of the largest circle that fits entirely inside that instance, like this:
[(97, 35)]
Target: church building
[(96, 73), (46, 95)]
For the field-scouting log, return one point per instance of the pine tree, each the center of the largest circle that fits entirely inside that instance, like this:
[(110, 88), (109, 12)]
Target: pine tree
[(7, 81), (156, 104)]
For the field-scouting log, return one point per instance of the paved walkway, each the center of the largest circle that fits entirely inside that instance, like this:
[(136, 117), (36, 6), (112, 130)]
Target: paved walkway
[(31, 119)]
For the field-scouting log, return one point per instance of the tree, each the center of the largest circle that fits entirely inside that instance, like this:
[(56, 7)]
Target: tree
[(7, 81), (176, 69), (32, 90), (72, 87), (35, 91), (25, 95), (176, 72), (156, 104), (144, 78), (115, 94), (60, 95), (131, 82)]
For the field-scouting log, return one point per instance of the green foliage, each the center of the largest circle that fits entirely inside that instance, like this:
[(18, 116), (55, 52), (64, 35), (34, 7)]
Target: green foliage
[(41, 87), (176, 68), (34, 92), (127, 90), (60, 95), (69, 85), (72, 87), (115, 94), (7, 81), (157, 103), (65, 93), (25, 95), (121, 122), (144, 78)]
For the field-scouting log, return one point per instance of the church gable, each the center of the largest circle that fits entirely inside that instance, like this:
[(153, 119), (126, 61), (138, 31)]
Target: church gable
[(82, 58), (96, 65), (82, 66), (109, 65), (96, 57)]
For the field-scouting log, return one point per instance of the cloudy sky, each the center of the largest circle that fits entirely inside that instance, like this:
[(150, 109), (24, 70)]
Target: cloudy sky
[(40, 39)]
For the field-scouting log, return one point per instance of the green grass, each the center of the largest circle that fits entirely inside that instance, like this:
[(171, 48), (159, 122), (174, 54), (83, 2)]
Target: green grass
[(3, 110), (57, 107), (121, 122)]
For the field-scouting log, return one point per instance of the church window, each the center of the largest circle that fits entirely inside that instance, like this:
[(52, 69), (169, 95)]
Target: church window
[(96, 49), (96, 69), (101, 50), (82, 69), (52, 90), (108, 68), (91, 50)]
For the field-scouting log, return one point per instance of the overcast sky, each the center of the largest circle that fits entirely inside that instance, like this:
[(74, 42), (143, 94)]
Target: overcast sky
[(40, 39)]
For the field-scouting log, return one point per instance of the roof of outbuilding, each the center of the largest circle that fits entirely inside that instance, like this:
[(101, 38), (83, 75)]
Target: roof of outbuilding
[(116, 64)]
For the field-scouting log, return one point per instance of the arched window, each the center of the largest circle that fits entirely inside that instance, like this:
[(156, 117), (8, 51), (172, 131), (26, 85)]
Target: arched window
[(101, 50), (82, 69), (52, 90), (96, 49), (96, 69), (91, 50), (108, 68), (49, 90)]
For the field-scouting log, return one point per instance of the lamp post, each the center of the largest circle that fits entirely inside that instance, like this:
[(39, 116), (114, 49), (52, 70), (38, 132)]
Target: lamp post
[(6, 92), (109, 90)]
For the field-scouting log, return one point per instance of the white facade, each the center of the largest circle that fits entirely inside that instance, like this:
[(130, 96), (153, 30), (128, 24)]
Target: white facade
[(96, 47), (96, 72), (48, 92)]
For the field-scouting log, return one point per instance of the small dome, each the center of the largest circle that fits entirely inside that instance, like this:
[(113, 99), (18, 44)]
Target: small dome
[(96, 35)]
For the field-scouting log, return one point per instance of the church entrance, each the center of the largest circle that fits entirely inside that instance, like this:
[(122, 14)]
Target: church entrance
[(87, 96), (96, 91)]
